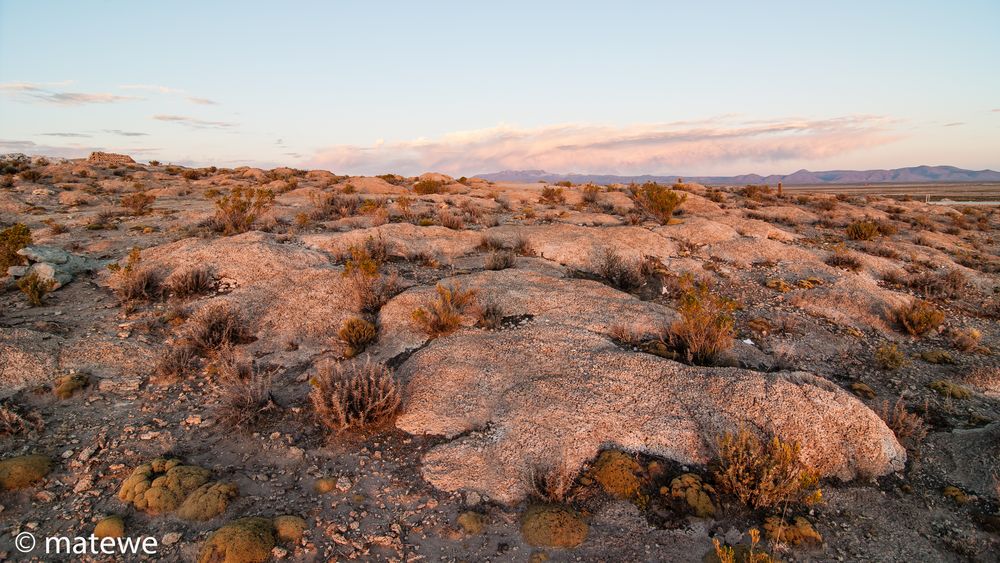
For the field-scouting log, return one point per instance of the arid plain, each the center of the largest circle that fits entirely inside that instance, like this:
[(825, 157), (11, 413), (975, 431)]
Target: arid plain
[(283, 364)]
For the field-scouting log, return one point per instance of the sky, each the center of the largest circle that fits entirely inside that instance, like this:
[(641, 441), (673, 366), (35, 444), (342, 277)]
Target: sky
[(688, 88)]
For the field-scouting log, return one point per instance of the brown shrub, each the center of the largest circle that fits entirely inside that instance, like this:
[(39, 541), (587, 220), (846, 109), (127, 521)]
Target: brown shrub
[(356, 334), (451, 220), (35, 288), (620, 272), (909, 428), (12, 239), (133, 282), (889, 358), (966, 339), (658, 201), (192, 280), (522, 246), (369, 288), (138, 203), (237, 211), (952, 284), (444, 314), (705, 328), (500, 260), (354, 396), (551, 483), (552, 196), (216, 325), (862, 230), (919, 317), (425, 187), (764, 474), (333, 206), (490, 315), (243, 391), (176, 360), (843, 258)]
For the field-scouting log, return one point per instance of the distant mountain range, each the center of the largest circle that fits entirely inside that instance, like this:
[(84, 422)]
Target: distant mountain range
[(913, 174)]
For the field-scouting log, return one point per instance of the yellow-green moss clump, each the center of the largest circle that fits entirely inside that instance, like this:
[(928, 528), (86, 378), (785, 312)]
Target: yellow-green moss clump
[(67, 385), (950, 389), (165, 485), (937, 356), (247, 540), (956, 494), (289, 529), (618, 474), (690, 489), (325, 485), (544, 525), (472, 523), (797, 532), (22, 471), (207, 501), (110, 527)]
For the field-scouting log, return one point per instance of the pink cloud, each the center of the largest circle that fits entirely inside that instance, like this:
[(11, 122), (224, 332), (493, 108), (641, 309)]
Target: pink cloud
[(691, 147)]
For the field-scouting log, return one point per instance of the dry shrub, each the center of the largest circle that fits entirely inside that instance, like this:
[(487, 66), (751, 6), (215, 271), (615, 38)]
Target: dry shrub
[(138, 203), (191, 280), (176, 361), (623, 273), (705, 328), (658, 201), (522, 246), (444, 314), (237, 211), (727, 554), (451, 220), (216, 325), (354, 396), (755, 192), (490, 315), (843, 258), (551, 483), (425, 187), (862, 230), (947, 285), (919, 317), (763, 474), (244, 391), (889, 358), (133, 282), (590, 192), (490, 242), (12, 239), (356, 334), (369, 288), (332, 206), (56, 227), (500, 260), (14, 421), (965, 339), (35, 288), (552, 196), (909, 428), (624, 334)]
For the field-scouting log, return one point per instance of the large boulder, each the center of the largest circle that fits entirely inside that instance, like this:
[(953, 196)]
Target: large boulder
[(553, 396)]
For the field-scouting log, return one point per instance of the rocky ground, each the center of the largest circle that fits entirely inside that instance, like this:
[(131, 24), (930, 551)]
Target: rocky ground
[(563, 353)]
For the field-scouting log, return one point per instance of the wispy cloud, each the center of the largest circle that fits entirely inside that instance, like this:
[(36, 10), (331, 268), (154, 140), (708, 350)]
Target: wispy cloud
[(159, 89), (194, 122), (637, 149), (67, 135), (47, 92), (125, 133), (954, 124)]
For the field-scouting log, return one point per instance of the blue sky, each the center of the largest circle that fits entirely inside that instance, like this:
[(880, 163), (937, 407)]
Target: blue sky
[(464, 87)]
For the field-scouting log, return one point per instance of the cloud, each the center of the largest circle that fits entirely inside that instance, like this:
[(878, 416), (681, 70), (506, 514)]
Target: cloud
[(690, 147), (954, 124), (194, 122), (125, 133), (45, 92), (69, 135), (71, 150), (171, 91)]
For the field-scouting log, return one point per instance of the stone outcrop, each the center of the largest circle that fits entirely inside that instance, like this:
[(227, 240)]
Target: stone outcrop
[(98, 157), (54, 264)]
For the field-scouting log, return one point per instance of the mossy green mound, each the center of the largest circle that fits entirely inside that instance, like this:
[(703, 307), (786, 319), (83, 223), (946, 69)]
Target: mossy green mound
[(67, 385), (160, 486), (696, 494), (207, 501), (544, 525), (22, 471), (247, 540), (289, 529), (110, 527)]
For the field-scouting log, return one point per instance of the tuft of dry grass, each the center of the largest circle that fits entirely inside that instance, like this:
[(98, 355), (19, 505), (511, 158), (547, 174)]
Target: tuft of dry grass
[(522, 246), (623, 273), (705, 328), (862, 230), (191, 280), (762, 474), (176, 361), (369, 288), (14, 421), (490, 315), (243, 391), (952, 284), (500, 259), (551, 482), (354, 395), (889, 358), (132, 281), (552, 196), (12, 239), (236, 212), (919, 317), (216, 325), (843, 258), (965, 339), (444, 315), (137, 203), (451, 220), (909, 428), (426, 187), (356, 334)]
